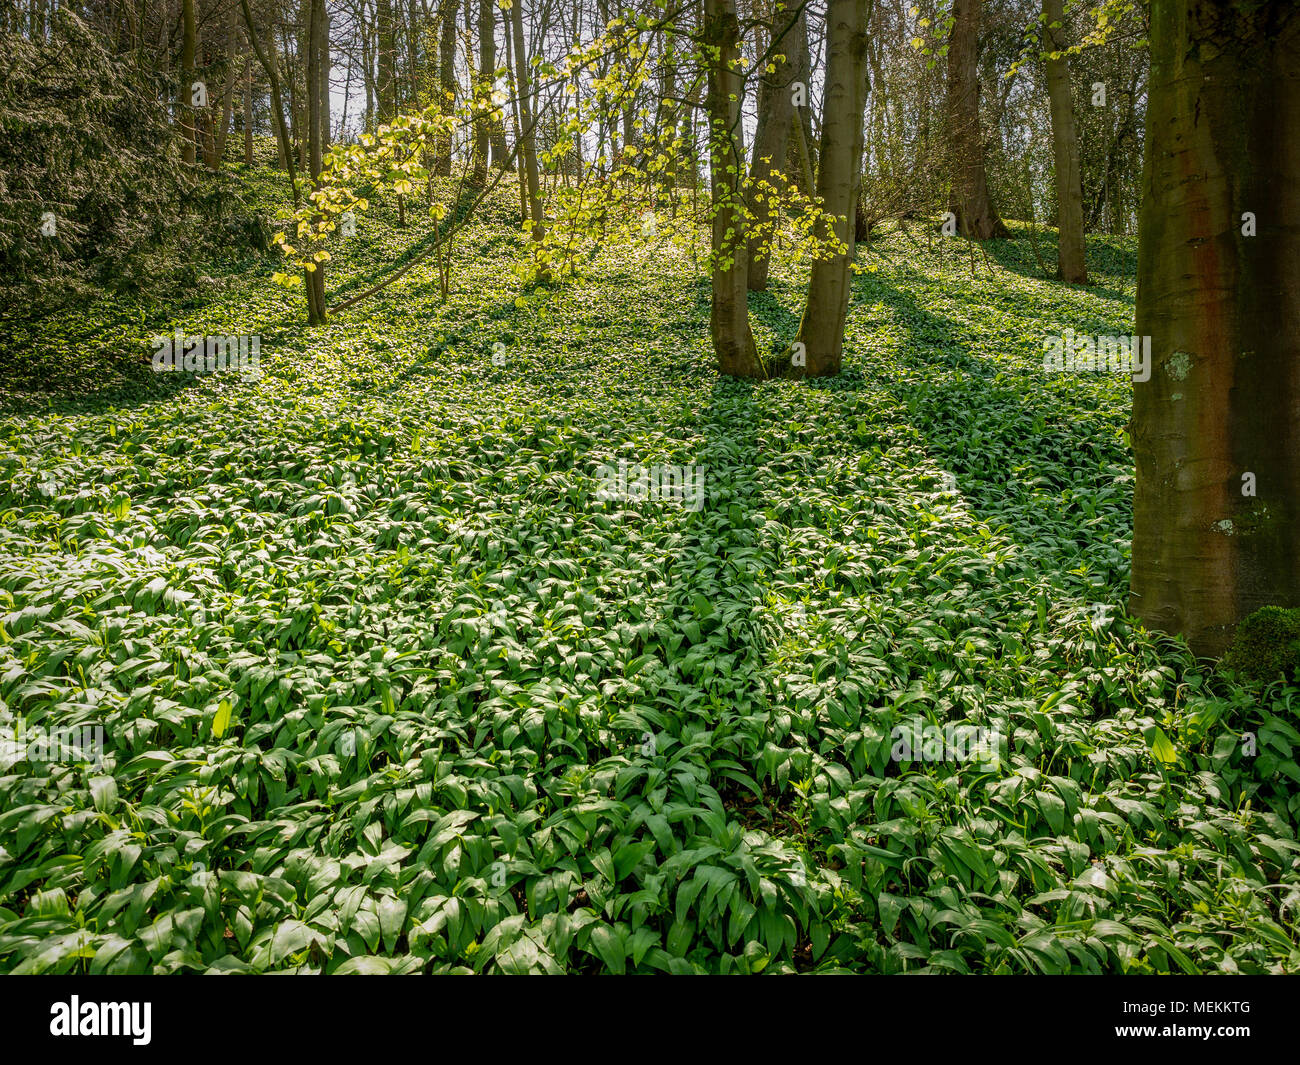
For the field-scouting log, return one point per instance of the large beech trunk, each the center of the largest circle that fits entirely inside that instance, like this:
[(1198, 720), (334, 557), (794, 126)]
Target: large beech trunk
[(976, 216), (1210, 543)]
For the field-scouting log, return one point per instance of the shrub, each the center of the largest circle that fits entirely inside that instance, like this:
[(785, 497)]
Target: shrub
[(1267, 643), (87, 137)]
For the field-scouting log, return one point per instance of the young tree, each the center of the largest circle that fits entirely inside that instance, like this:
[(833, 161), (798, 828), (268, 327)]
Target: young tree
[(1216, 429)]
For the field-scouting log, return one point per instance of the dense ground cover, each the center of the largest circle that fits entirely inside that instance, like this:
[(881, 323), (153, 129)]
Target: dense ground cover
[(385, 687)]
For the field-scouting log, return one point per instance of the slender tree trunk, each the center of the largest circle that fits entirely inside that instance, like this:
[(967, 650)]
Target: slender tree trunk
[(733, 340), (368, 71), (628, 158), (387, 87), (497, 122), (248, 113), (235, 75), (207, 139), (414, 65), (266, 57), (387, 79), (299, 99), (521, 177), (487, 61), (527, 138), (446, 79), (839, 179), (233, 78), (1118, 183), (669, 126), (1071, 264), (976, 216), (1216, 429), (606, 148), (315, 138), (323, 61), (189, 42)]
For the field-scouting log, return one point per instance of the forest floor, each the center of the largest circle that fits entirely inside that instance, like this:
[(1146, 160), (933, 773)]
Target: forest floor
[(385, 686)]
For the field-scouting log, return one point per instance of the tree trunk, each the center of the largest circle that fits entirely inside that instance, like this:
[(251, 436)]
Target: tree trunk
[(248, 113), (733, 340), (1210, 543), (1070, 255), (667, 125), (976, 216), (323, 74), (839, 179), (605, 135), (414, 64), (189, 42), (521, 176), (268, 62), (801, 162), (527, 139), (771, 146), (447, 80), (234, 75), (487, 61), (497, 122), (299, 98), (368, 70), (386, 90), (629, 154), (315, 141)]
